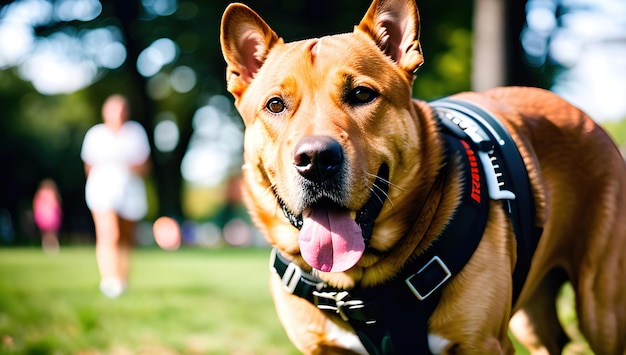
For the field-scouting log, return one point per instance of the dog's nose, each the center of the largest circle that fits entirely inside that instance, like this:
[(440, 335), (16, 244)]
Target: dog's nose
[(318, 158)]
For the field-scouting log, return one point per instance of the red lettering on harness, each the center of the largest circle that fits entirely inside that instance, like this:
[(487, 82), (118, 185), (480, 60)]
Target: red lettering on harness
[(471, 156)]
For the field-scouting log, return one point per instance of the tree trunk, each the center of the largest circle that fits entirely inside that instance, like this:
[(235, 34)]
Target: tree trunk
[(498, 57), (488, 58)]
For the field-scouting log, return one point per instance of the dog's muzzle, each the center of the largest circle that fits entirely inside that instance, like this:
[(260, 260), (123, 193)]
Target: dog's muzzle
[(319, 159)]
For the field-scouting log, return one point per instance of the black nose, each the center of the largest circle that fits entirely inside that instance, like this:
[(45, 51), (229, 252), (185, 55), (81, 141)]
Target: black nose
[(318, 158)]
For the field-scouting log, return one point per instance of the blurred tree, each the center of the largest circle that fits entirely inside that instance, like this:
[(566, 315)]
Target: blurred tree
[(488, 59), (517, 70), (498, 56)]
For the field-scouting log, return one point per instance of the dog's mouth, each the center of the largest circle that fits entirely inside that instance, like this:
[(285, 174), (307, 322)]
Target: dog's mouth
[(330, 239)]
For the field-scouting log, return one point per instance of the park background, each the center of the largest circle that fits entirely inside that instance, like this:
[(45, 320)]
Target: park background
[(60, 59)]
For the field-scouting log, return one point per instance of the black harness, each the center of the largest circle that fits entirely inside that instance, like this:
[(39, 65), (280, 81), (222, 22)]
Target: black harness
[(392, 318)]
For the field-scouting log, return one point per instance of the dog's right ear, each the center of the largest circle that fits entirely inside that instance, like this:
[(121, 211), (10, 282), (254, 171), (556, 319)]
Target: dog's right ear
[(395, 27), (246, 39)]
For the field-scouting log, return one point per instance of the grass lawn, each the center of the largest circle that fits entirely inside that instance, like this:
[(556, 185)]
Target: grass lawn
[(192, 301)]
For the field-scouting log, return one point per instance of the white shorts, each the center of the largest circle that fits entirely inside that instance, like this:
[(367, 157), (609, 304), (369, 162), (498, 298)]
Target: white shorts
[(113, 188)]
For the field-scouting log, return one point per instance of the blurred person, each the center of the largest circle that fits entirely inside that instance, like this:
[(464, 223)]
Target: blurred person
[(48, 214), (116, 156)]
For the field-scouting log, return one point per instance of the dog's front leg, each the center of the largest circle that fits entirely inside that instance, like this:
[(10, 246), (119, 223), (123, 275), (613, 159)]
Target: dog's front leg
[(309, 329), (473, 314)]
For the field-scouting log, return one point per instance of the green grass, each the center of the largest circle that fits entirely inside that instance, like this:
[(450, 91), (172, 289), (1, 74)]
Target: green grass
[(192, 301), (617, 131)]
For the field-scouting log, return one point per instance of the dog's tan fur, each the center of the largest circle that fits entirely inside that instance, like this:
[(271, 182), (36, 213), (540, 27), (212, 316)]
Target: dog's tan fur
[(578, 179)]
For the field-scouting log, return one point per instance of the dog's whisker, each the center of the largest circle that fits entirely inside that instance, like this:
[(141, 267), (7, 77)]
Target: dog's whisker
[(377, 191), (386, 181), (381, 199), (385, 194), (376, 194)]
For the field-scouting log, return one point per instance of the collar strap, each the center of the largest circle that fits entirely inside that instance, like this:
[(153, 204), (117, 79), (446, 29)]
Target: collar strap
[(293, 278), (304, 284)]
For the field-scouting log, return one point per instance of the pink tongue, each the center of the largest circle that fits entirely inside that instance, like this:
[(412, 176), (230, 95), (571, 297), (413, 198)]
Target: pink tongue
[(330, 240)]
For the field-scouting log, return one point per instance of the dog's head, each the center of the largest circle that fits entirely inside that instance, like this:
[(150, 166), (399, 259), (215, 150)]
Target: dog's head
[(329, 128)]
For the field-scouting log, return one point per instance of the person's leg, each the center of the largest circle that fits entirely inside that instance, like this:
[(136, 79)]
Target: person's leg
[(107, 252), (127, 234), (107, 237), (50, 242)]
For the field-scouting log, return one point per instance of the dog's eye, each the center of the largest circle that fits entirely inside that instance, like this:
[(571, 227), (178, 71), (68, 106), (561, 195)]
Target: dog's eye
[(361, 95), (275, 105)]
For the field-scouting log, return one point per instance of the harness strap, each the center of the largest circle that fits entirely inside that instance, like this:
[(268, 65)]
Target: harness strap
[(512, 176), (406, 303)]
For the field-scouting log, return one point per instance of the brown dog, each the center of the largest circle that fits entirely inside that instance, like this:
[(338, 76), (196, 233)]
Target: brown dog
[(352, 182)]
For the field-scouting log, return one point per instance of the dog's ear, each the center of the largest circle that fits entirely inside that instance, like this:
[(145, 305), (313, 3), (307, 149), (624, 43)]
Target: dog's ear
[(246, 39), (395, 25)]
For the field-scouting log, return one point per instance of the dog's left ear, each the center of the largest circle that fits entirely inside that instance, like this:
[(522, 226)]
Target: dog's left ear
[(246, 39), (394, 25)]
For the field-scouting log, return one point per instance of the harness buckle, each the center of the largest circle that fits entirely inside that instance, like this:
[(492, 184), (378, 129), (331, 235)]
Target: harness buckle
[(344, 306), (434, 272), (291, 278), (273, 260), (292, 275)]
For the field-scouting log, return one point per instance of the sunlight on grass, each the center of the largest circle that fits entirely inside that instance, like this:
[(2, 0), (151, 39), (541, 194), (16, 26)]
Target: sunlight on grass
[(193, 301), (567, 315)]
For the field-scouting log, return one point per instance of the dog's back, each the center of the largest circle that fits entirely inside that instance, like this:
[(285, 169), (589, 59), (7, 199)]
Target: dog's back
[(579, 181)]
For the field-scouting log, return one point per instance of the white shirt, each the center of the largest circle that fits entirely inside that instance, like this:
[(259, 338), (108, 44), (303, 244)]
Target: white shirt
[(111, 184)]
